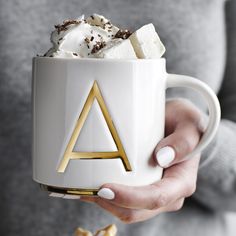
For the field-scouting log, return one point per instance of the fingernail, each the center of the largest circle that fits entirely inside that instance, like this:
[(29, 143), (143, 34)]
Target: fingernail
[(165, 156), (106, 193)]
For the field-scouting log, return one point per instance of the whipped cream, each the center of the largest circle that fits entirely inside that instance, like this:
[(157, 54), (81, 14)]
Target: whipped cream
[(96, 37)]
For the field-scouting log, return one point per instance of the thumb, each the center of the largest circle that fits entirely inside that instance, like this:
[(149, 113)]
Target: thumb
[(175, 147)]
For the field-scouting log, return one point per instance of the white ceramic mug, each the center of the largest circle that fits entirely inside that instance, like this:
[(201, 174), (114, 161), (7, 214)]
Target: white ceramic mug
[(98, 120)]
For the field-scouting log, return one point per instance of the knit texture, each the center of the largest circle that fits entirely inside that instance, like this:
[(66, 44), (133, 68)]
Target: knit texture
[(193, 32)]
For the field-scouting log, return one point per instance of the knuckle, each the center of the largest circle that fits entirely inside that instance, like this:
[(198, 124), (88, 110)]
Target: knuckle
[(190, 188), (188, 144), (128, 218), (159, 202), (185, 145), (178, 206), (193, 115)]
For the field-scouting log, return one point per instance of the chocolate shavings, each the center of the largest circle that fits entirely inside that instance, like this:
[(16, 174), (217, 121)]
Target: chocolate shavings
[(123, 34), (98, 46), (65, 25), (87, 40)]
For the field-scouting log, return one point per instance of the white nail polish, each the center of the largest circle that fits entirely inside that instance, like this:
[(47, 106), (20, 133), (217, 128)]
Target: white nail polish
[(106, 193), (165, 156), (68, 196)]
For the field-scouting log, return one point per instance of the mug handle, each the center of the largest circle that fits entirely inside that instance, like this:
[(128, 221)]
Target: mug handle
[(174, 80)]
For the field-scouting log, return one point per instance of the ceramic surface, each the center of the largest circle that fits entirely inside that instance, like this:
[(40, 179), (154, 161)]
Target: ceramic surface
[(134, 95)]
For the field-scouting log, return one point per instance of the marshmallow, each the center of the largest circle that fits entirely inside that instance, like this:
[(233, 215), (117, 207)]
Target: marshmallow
[(117, 49), (147, 43)]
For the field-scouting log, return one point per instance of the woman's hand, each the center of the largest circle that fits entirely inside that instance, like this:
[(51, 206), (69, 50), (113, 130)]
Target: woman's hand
[(134, 204)]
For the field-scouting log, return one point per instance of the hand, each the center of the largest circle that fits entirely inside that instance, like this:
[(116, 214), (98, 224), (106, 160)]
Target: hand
[(134, 204)]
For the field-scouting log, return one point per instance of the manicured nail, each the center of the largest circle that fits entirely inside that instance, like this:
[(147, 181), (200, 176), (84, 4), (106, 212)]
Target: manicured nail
[(106, 193), (165, 156), (68, 196)]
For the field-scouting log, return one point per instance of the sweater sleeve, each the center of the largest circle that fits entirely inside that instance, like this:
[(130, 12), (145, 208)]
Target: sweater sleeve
[(216, 187)]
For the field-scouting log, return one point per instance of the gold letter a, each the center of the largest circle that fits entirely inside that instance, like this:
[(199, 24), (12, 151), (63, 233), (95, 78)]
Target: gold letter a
[(69, 154)]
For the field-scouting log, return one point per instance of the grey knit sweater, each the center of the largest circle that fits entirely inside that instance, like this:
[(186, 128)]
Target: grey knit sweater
[(194, 33)]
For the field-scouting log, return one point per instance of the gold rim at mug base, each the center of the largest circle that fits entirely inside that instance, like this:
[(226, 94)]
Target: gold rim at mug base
[(70, 191)]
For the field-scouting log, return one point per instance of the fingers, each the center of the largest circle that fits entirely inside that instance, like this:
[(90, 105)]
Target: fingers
[(184, 127), (129, 216), (178, 110), (174, 148), (124, 214), (134, 204), (186, 173), (179, 181), (151, 197)]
